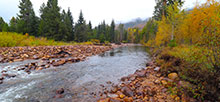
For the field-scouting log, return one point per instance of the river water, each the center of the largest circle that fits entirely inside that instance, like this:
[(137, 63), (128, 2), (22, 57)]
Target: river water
[(79, 80)]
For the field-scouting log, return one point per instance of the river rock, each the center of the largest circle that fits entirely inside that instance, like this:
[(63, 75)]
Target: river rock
[(60, 62), (141, 73), (47, 66), (157, 81), (115, 100), (114, 90), (127, 91), (1, 81), (164, 82), (59, 96), (60, 91), (3, 71), (184, 84), (124, 78), (1, 59), (35, 57), (173, 76), (9, 75), (128, 99), (104, 100), (21, 69), (157, 69), (121, 95), (152, 99), (39, 68), (1, 78), (18, 60), (112, 95), (25, 55)]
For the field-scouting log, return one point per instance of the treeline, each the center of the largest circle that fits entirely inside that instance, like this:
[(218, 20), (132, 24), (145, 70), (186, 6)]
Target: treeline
[(57, 25)]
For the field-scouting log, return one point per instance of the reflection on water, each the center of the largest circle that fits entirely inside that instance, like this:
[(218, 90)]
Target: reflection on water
[(78, 79)]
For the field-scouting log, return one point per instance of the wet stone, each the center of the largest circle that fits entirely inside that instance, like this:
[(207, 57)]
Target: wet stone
[(59, 96), (9, 75), (127, 91), (1, 78), (59, 62), (60, 91), (35, 57), (157, 69), (141, 73), (3, 71)]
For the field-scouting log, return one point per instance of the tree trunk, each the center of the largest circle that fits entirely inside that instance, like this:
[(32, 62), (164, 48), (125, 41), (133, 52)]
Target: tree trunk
[(172, 35), (164, 5)]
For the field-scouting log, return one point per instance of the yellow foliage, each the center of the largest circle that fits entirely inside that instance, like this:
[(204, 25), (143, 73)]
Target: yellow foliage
[(163, 34), (201, 23), (131, 34)]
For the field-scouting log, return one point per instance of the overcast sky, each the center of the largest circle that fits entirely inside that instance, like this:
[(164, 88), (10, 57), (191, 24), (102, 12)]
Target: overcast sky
[(94, 10)]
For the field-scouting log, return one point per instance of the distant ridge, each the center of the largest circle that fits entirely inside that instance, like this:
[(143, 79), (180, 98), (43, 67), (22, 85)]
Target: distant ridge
[(135, 23)]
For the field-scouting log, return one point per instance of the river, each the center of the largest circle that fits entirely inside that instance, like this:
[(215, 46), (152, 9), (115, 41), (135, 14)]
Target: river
[(79, 80)]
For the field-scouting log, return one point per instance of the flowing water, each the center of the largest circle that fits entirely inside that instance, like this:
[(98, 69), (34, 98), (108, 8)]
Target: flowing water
[(79, 80)]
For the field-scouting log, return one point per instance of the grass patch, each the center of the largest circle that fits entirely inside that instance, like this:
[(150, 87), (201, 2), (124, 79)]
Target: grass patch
[(9, 39)]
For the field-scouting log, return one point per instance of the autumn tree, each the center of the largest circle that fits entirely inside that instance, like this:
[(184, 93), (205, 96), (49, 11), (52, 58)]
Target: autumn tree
[(203, 29), (168, 26)]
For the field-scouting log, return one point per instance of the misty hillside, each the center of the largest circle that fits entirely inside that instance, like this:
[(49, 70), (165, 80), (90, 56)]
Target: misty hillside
[(136, 23)]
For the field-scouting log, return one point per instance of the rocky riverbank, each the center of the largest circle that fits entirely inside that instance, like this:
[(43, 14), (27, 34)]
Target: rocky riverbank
[(145, 85), (46, 57)]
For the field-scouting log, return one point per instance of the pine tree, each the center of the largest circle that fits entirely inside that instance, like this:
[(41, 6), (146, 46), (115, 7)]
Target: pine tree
[(81, 29), (69, 22), (66, 27), (112, 31), (90, 31), (121, 32), (5, 27), (13, 24), (2, 22), (28, 22), (161, 5), (158, 10), (50, 20)]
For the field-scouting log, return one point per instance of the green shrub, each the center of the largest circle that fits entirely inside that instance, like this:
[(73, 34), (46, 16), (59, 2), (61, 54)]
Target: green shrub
[(172, 43)]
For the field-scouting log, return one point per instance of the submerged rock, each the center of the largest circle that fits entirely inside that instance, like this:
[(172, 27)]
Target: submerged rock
[(60, 91), (9, 75), (1, 78)]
